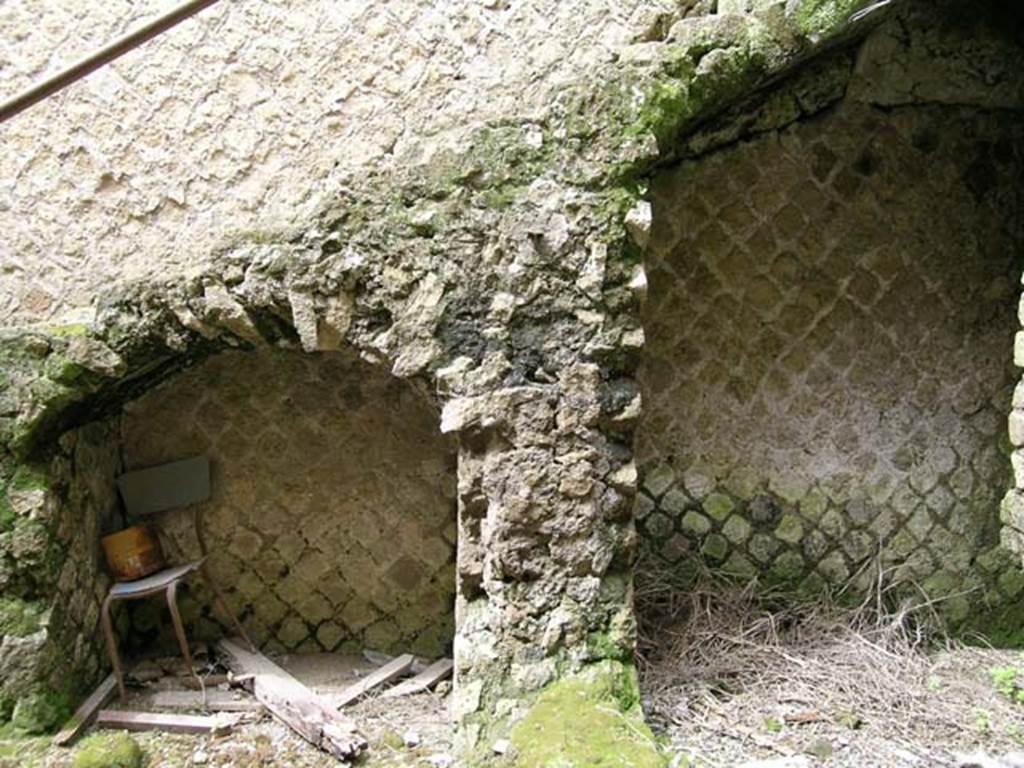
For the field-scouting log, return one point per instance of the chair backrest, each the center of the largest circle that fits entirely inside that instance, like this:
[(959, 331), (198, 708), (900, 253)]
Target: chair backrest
[(167, 486)]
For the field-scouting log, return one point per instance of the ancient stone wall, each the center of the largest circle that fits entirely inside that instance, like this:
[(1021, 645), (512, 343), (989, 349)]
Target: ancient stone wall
[(506, 270), (332, 518), (68, 509), (828, 331), (248, 117)]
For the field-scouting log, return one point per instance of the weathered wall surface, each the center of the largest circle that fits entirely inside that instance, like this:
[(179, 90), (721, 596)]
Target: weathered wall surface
[(67, 512), (332, 519), (250, 115), (506, 272), (828, 333)]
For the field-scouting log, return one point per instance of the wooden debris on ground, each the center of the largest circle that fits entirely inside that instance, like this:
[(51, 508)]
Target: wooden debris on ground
[(208, 682), (215, 701), (397, 667), (379, 659), (425, 680), (294, 704), (86, 712), (170, 723)]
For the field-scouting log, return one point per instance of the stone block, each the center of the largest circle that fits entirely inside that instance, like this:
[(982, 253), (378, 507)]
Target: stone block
[(329, 635), (715, 547), (659, 480), (677, 547), (718, 506), (1017, 461), (790, 529), (1011, 509), (658, 525), (694, 523), (736, 529), (675, 502), (358, 613), (1016, 428), (834, 569), (292, 632)]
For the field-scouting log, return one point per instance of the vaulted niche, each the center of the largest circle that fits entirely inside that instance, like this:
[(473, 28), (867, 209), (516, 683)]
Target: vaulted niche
[(332, 517)]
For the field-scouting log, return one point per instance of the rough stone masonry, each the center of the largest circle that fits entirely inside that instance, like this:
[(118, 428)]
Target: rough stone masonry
[(491, 259)]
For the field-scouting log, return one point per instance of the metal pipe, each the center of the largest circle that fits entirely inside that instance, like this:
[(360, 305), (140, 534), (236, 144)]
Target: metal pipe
[(94, 61)]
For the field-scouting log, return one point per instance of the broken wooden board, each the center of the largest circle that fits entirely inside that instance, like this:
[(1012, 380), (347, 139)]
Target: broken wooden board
[(85, 713), (210, 681), (294, 704), (397, 667), (160, 721), (216, 701), (379, 659), (424, 681)]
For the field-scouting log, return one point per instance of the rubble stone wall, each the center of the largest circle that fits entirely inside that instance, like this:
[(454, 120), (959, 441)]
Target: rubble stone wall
[(67, 510), (125, 173), (332, 517), (505, 268), (830, 318)]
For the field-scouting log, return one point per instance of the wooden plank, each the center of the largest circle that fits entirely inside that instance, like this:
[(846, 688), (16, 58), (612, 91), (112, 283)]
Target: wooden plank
[(379, 659), (162, 721), (294, 704), (216, 701), (85, 713), (209, 682), (395, 668), (425, 680)]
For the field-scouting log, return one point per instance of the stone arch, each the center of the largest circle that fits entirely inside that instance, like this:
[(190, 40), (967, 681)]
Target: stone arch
[(505, 272), (71, 383)]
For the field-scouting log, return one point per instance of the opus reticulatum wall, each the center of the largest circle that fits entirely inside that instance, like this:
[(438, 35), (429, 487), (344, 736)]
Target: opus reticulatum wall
[(496, 261), (830, 311)]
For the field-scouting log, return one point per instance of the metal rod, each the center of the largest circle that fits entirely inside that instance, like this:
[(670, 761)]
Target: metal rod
[(94, 61)]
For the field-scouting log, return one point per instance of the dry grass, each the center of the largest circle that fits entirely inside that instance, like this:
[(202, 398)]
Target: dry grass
[(770, 675)]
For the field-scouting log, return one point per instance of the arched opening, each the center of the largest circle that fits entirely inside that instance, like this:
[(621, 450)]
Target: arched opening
[(331, 522), (827, 374), (332, 517), (834, 279)]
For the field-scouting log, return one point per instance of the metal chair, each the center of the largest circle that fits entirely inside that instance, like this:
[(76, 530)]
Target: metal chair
[(147, 492)]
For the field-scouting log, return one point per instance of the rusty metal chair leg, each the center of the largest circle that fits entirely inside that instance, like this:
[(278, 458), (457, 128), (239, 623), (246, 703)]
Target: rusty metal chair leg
[(115, 659), (179, 628), (218, 598)]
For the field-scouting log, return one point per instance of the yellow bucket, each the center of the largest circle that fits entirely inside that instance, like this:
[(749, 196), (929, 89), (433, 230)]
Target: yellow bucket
[(133, 553)]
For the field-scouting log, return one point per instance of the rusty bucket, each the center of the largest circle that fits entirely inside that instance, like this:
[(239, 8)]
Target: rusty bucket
[(133, 553)]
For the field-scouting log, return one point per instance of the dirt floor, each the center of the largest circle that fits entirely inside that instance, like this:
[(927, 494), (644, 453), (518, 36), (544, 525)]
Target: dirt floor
[(407, 731), (729, 677)]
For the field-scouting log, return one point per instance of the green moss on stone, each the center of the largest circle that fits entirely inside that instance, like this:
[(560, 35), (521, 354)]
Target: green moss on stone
[(818, 18), (19, 617), (29, 478), (62, 370), (108, 750), (8, 517), (588, 720), (42, 712), (605, 645)]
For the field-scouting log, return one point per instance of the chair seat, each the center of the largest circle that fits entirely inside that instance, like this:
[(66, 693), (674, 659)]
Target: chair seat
[(154, 582)]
